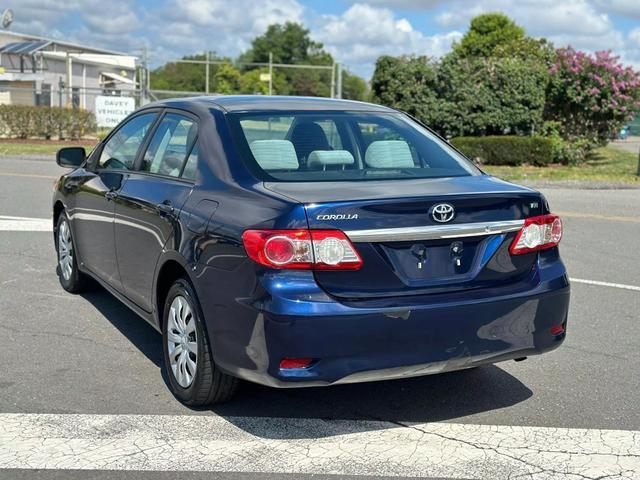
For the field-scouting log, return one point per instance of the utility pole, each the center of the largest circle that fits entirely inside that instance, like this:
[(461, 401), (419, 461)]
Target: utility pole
[(270, 73), (339, 87), (206, 69), (638, 171)]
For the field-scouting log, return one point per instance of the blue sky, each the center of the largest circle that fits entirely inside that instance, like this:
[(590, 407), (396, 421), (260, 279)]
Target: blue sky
[(355, 32)]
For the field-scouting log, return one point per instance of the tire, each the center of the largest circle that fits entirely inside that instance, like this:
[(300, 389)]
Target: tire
[(182, 321), (71, 279)]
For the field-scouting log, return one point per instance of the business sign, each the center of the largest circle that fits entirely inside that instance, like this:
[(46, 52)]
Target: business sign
[(110, 111)]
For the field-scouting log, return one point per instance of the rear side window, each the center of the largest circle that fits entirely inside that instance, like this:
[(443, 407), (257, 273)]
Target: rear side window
[(330, 146), (190, 167), (121, 149), (170, 145)]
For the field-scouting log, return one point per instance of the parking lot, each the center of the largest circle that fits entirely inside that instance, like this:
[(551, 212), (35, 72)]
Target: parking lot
[(94, 369)]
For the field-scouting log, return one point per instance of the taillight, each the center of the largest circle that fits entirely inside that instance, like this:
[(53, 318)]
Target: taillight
[(538, 233), (302, 249)]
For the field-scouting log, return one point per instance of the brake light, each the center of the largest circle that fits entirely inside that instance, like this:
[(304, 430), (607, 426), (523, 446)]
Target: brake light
[(302, 249), (538, 233)]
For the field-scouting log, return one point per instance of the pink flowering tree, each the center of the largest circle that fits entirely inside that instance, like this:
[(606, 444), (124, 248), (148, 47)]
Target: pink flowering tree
[(591, 96)]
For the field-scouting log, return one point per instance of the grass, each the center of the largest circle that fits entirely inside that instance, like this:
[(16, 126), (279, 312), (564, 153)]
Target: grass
[(26, 147), (605, 164)]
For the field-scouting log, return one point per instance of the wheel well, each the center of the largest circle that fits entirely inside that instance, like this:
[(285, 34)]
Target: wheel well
[(169, 273), (57, 210)]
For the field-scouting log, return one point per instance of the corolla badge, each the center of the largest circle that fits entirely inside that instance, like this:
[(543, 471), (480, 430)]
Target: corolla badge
[(443, 212), (339, 216)]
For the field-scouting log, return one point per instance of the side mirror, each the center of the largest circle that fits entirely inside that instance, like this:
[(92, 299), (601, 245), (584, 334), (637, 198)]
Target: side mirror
[(71, 157)]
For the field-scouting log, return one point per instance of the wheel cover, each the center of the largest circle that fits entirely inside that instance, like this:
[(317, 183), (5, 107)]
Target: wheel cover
[(65, 250), (182, 341)]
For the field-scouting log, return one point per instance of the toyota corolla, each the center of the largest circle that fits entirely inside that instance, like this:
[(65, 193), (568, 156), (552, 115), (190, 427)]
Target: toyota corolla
[(301, 242)]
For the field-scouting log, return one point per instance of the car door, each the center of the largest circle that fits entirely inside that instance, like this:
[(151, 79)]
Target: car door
[(93, 212), (147, 206)]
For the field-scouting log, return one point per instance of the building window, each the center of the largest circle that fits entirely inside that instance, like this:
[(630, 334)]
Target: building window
[(43, 98)]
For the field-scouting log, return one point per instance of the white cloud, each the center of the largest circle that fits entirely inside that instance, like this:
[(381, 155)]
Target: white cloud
[(405, 4), (363, 33), (539, 17), (114, 23), (631, 53), (187, 26), (629, 8)]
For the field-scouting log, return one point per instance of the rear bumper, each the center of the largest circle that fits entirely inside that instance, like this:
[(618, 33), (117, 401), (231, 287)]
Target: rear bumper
[(296, 319)]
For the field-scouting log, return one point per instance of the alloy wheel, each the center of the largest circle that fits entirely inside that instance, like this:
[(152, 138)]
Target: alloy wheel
[(65, 250)]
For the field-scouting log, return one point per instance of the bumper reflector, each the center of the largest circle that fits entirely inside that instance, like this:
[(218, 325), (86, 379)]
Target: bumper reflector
[(288, 363), (557, 330)]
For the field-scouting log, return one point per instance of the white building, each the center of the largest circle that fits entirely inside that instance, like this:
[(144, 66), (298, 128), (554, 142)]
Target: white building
[(43, 71)]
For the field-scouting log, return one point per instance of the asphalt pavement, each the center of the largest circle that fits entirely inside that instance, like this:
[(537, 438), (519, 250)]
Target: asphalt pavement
[(79, 364)]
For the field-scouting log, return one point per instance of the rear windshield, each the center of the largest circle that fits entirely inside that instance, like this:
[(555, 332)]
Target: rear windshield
[(334, 146)]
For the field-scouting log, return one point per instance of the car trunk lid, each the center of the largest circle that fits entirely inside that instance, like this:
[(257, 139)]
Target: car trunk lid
[(405, 249)]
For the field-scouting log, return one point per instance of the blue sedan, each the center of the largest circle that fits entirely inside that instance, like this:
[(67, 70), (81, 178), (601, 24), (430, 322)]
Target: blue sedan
[(301, 242)]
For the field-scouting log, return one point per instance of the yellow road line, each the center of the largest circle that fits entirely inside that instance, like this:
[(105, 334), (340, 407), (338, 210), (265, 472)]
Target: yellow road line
[(595, 216), (29, 175)]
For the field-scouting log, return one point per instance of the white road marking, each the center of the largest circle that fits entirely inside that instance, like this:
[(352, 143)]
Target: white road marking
[(25, 224), (290, 445), (606, 284)]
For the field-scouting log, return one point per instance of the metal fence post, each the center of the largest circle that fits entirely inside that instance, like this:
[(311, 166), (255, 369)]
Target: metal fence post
[(206, 72), (270, 73), (333, 80)]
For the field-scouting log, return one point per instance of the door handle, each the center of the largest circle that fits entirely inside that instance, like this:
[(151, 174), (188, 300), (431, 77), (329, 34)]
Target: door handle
[(166, 209), (111, 195)]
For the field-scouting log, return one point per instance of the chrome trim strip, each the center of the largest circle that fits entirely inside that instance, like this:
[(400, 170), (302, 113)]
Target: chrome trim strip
[(434, 232)]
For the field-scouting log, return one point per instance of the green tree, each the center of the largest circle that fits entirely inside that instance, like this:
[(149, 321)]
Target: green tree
[(291, 43), (188, 77), (490, 96), (250, 83), (227, 79), (486, 33), (408, 84), (354, 87), (492, 83)]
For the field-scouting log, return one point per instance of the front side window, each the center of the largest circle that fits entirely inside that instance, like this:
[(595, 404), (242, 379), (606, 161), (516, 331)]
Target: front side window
[(170, 145), (330, 146), (121, 149)]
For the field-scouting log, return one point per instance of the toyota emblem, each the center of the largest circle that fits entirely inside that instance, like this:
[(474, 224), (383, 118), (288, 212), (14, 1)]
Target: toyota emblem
[(443, 212)]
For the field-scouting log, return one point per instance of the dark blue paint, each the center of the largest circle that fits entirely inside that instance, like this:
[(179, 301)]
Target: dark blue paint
[(384, 316)]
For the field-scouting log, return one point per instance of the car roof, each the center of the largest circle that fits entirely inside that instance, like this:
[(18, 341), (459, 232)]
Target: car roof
[(248, 103)]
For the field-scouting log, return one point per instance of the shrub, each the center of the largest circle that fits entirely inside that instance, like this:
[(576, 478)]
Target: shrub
[(591, 96), (507, 149), (566, 152), (23, 121)]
